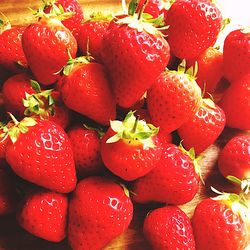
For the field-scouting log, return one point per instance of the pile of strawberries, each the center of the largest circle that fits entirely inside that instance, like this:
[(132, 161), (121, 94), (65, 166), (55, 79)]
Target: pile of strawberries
[(90, 110)]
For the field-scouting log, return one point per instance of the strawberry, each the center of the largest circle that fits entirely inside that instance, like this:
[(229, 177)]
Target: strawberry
[(40, 152), (11, 52), (14, 90), (210, 69), (47, 104), (44, 214), (86, 146), (85, 89), (8, 198), (154, 7), (174, 98), (73, 7), (236, 105), (221, 222), (206, 126), (193, 27), (235, 157), (51, 42), (91, 34), (176, 175), (135, 53), (99, 211), (169, 228), (236, 48), (130, 149)]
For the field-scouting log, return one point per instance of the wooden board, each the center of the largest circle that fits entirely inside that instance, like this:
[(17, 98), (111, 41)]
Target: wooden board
[(13, 237)]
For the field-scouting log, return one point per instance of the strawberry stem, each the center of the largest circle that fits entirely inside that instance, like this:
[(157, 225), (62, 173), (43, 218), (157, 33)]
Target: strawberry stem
[(135, 124), (16, 122), (142, 9)]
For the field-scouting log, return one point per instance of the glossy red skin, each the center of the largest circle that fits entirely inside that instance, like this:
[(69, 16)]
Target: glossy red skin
[(44, 157), (86, 146), (45, 45), (174, 176), (215, 226), (236, 61), (236, 105), (14, 90), (203, 130), (173, 100), (193, 27), (127, 160), (73, 23), (234, 159), (169, 228), (153, 7), (92, 32), (99, 211), (86, 90), (8, 198), (44, 214), (210, 69), (11, 51), (134, 60)]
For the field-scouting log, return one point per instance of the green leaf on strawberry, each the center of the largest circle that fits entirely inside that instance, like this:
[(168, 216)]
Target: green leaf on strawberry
[(133, 130)]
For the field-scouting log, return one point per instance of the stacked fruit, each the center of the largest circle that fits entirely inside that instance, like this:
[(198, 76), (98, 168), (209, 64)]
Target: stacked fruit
[(93, 105)]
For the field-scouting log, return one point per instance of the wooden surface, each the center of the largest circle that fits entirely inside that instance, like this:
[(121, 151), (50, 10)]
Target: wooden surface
[(13, 237)]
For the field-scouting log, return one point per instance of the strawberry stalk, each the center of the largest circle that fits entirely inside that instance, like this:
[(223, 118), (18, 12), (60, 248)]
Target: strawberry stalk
[(244, 184), (142, 9)]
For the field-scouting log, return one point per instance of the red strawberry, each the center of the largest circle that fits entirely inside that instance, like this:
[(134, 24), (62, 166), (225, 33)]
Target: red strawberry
[(210, 69), (193, 27), (85, 89), (11, 51), (169, 228), (155, 7), (99, 211), (74, 22), (47, 104), (135, 53), (8, 197), (176, 175), (221, 223), (51, 42), (174, 99), (86, 146), (14, 90), (236, 105), (44, 214), (206, 126), (130, 149), (40, 152), (236, 54), (235, 157), (91, 34)]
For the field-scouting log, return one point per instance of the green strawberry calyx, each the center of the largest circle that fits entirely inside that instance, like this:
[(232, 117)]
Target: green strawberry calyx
[(190, 72), (195, 160), (237, 203), (133, 131), (72, 62), (99, 16), (142, 21), (166, 4), (4, 23), (244, 184), (41, 103), (14, 127), (56, 11)]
